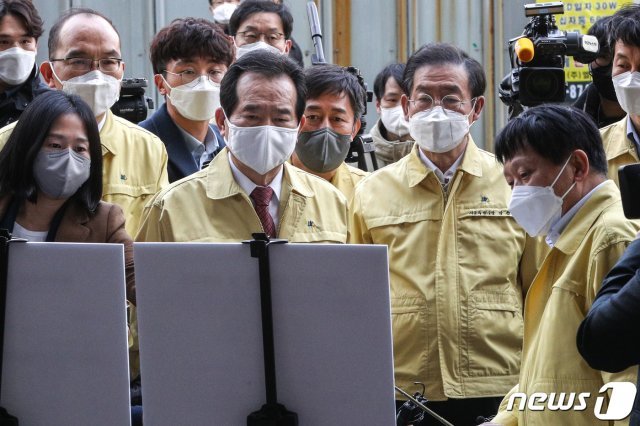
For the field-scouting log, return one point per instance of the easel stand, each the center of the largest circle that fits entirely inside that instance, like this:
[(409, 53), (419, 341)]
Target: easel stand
[(6, 419), (271, 413)]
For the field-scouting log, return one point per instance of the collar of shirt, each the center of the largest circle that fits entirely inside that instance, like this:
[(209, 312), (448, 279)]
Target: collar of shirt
[(201, 152), (248, 186), (445, 177), (632, 134), (101, 122), (558, 227)]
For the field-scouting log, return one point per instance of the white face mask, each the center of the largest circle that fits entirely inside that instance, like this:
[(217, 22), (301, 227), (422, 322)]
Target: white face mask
[(438, 131), (198, 100), (393, 120), (627, 86), (537, 208), (97, 89), (16, 65), (258, 45), (261, 148)]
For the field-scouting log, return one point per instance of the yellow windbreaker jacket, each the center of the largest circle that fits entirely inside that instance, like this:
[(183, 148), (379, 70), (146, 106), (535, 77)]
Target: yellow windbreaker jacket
[(210, 206), (346, 178), (556, 304), (619, 149), (454, 262)]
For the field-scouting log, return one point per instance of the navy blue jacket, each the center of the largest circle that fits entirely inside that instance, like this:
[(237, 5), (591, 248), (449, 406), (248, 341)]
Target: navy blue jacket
[(15, 99), (609, 337), (181, 162)]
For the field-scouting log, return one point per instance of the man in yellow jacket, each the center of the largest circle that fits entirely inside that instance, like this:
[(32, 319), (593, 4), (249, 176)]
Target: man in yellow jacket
[(335, 103), (454, 249), (249, 187), (85, 59), (621, 140), (554, 161)]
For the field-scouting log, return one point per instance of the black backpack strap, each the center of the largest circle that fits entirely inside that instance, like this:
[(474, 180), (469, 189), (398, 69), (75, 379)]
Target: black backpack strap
[(6, 419)]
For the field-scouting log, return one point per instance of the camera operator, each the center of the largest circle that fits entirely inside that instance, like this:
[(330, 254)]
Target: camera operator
[(20, 83), (390, 133), (442, 211), (621, 140), (189, 57), (334, 105), (599, 98)]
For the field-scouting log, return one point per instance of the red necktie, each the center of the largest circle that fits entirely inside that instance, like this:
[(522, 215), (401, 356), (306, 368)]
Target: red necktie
[(261, 197)]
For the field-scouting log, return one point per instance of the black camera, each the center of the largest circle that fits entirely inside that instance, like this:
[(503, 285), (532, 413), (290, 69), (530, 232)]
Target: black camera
[(538, 58), (133, 104)]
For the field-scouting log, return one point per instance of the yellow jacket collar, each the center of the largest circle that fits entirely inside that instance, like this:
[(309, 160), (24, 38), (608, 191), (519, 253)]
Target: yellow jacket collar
[(577, 229), (220, 182), (619, 143), (417, 171), (107, 129)]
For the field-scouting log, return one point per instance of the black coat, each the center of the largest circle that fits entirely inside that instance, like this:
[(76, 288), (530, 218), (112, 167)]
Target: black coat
[(15, 99), (609, 337)]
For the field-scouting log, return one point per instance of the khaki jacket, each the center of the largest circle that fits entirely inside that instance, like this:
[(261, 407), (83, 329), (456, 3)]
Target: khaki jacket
[(454, 261), (134, 166), (619, 149), (210, 206), (346, 178), (556, 304), (387, 151)]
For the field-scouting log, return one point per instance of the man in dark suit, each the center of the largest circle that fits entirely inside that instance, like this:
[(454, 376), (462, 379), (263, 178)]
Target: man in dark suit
[(189, 57)]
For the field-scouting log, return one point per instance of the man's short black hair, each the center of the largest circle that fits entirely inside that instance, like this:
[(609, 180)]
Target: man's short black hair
[(26, 12), (553, 132), (249, 7), (625, 26), (186, 38), (267, 64), (394, 71), (335, 80), (19, 154), (445, 54), (54, 32)]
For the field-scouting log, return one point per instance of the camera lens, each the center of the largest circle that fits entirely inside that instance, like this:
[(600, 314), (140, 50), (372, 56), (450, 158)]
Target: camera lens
[(539, 85)]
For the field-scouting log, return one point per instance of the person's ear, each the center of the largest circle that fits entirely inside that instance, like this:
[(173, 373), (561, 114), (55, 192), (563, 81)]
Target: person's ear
[(356, 128), (303, 120), (378, 110), (404, 100), (47, 74), (580, 163), (287, 46), (220, 122), (160, 83), (477, 108)]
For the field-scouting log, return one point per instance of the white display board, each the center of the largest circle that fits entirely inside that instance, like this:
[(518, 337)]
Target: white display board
[(201, 337), (65, 349)]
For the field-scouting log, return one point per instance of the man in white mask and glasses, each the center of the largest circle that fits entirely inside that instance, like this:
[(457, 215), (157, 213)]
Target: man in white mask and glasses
[(390, 133), (85, 59), (189, 57), (621, 140), (249, 187), (554, 161), (261, 25), (454, 249), (20, 29)]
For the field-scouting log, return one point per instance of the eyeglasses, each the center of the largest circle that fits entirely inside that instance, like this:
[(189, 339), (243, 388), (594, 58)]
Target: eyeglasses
[(249, 37), (425, 102), (189, 76), (107, 65)]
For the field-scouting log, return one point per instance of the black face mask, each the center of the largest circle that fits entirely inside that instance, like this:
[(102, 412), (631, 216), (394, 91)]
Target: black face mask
[(602, 81)]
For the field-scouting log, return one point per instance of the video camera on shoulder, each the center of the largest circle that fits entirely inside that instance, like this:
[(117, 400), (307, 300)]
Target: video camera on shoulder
[(538, 59), (133, 104)]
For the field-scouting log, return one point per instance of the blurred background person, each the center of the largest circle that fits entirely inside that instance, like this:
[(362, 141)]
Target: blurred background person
[(20, 29), (335, 103), (391, 132), (599, 97), (189, 57)]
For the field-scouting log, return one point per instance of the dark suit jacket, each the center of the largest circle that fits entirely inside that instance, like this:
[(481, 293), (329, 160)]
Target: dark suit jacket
[(105, 226), (14, 100), (181, 162), (609, 336)]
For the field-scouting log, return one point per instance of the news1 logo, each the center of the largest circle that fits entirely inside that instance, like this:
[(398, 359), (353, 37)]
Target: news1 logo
[(619, 407)]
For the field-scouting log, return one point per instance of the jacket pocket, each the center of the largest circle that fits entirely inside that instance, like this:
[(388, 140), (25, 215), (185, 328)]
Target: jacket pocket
[(494, 334), (409, 324)]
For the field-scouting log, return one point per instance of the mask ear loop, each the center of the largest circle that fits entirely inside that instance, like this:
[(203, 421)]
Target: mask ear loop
[(53, 70), (558, 177)]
